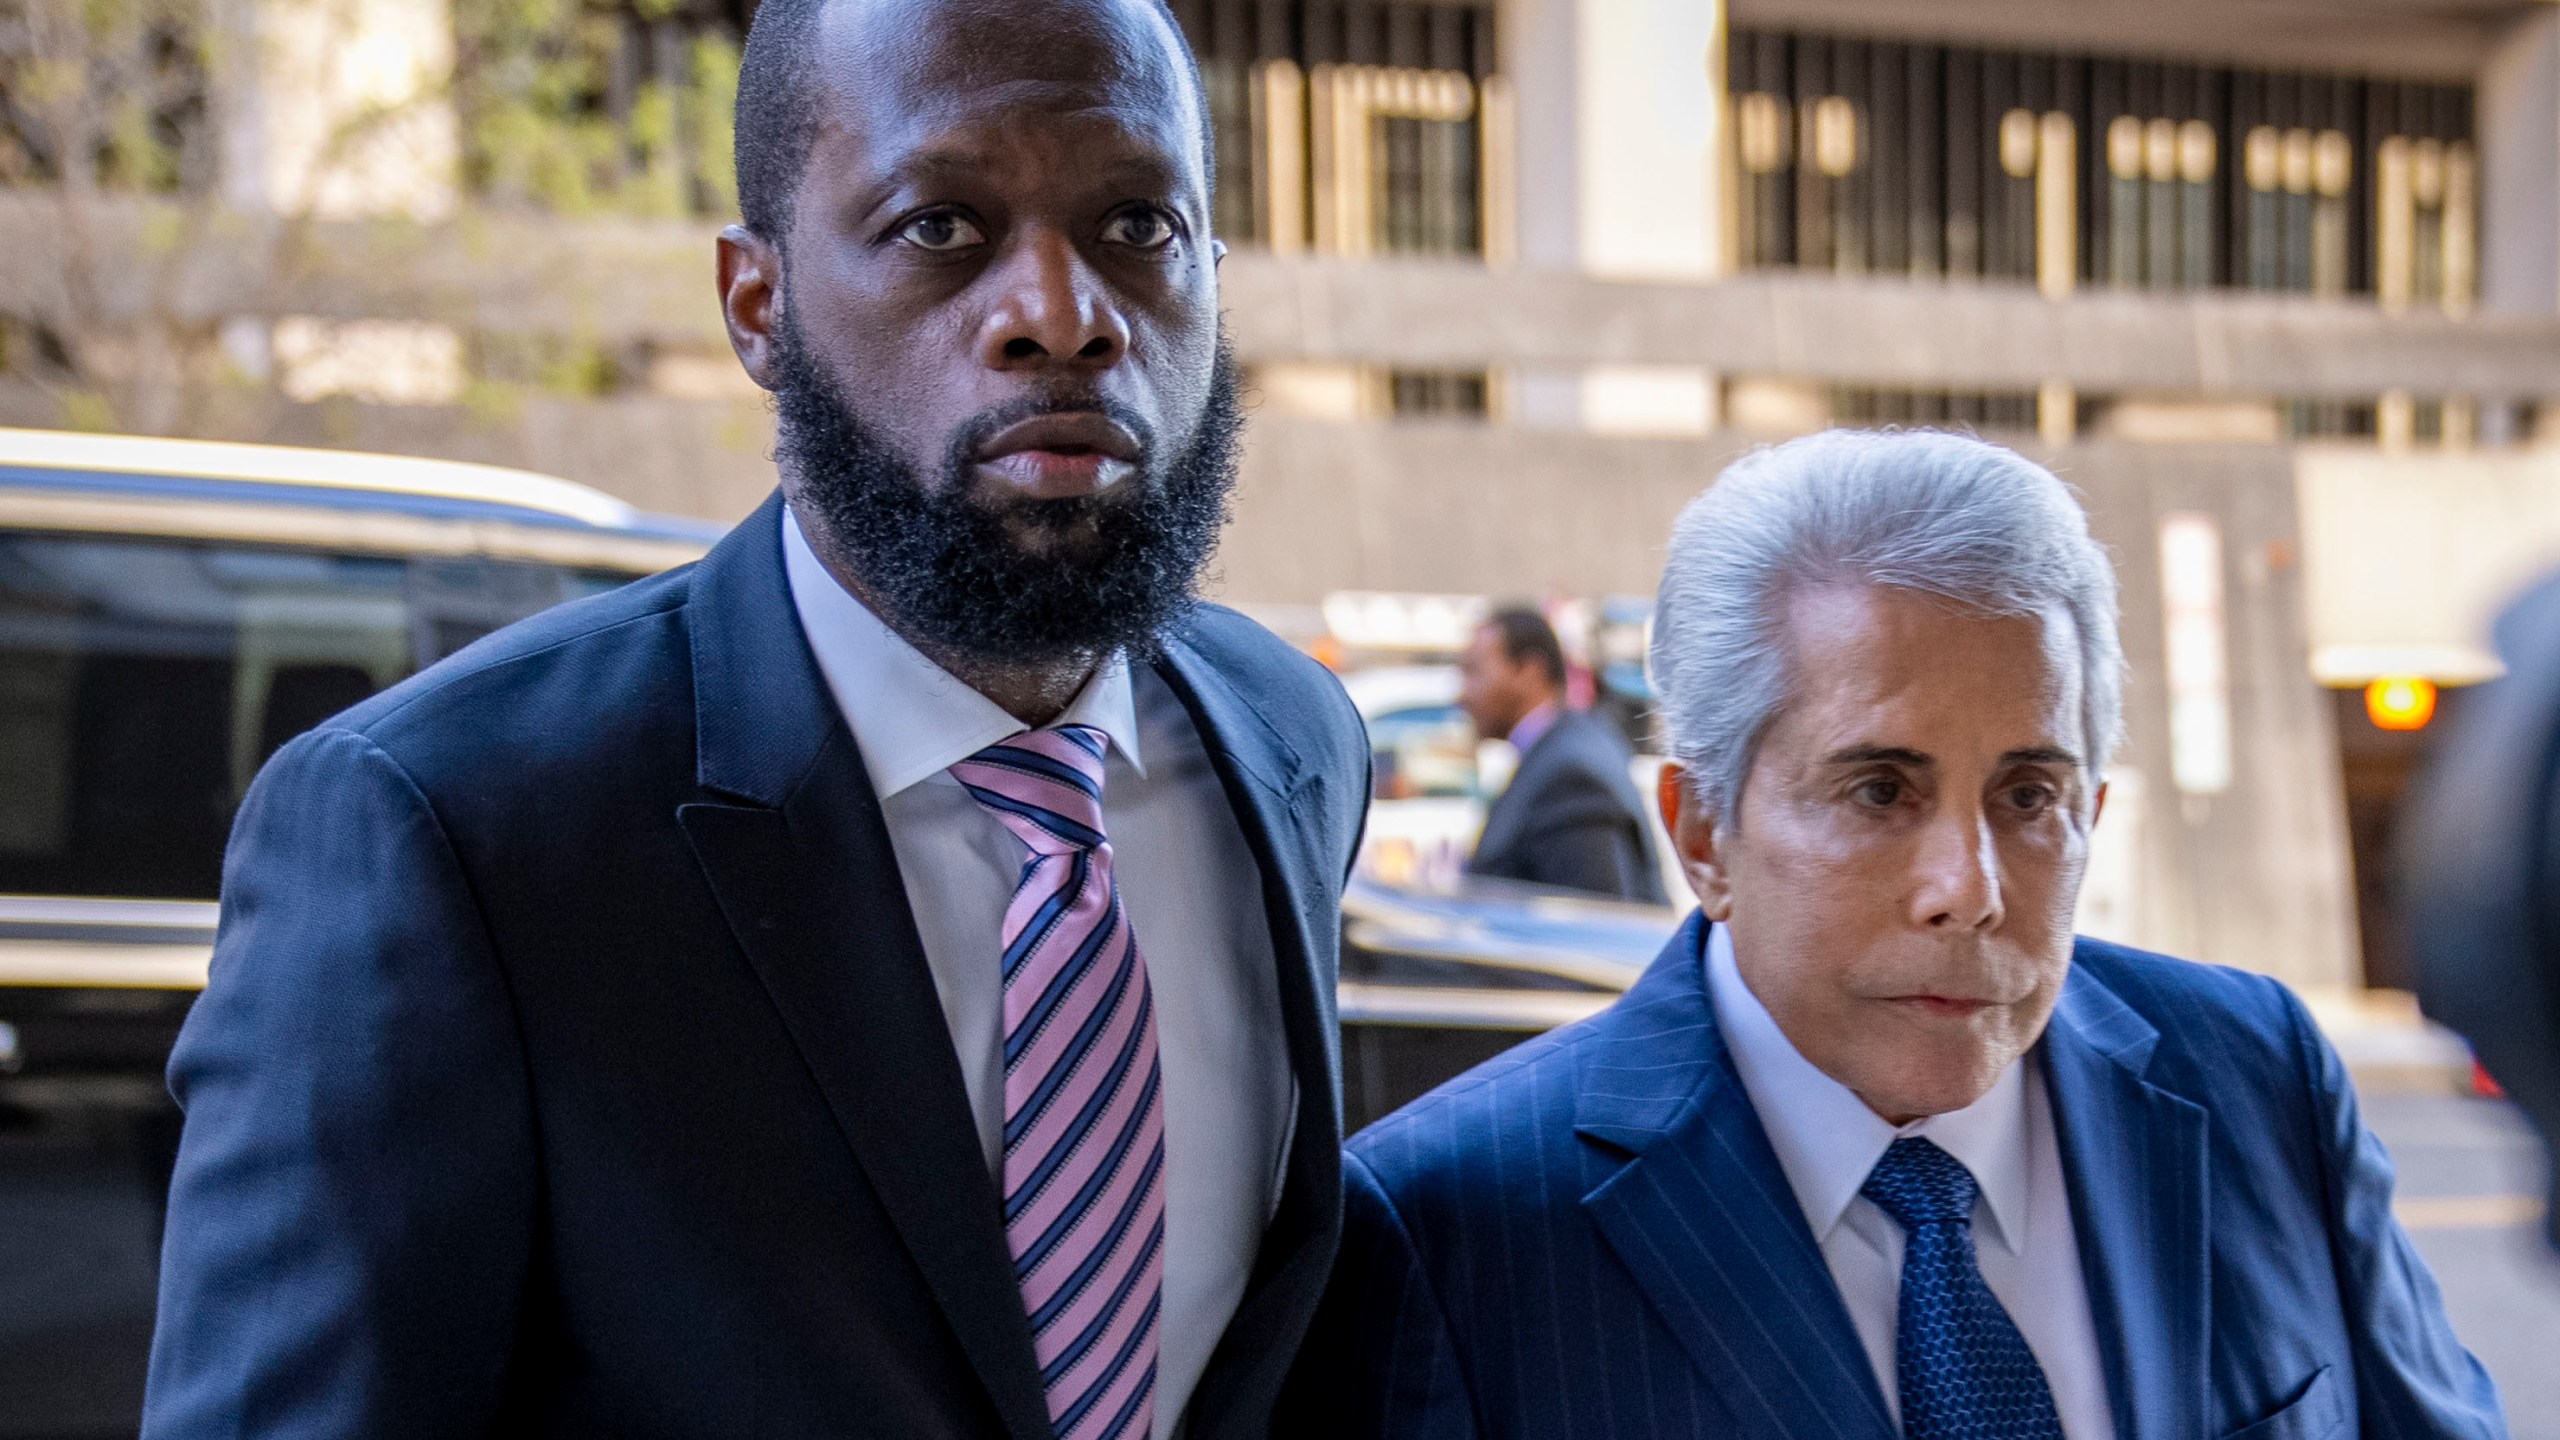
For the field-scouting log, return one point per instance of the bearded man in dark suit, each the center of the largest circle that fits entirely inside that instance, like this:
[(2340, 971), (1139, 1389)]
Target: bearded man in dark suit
[(879, 980)]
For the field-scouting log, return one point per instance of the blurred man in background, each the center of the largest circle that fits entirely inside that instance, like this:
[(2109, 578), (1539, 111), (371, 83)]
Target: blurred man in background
[(1570, 816)]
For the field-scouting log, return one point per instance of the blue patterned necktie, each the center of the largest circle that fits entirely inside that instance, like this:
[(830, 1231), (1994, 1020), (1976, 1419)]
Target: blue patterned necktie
[(1964, 1370)]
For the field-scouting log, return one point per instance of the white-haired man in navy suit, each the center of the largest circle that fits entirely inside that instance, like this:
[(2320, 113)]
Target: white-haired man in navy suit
[(1876, 1149)]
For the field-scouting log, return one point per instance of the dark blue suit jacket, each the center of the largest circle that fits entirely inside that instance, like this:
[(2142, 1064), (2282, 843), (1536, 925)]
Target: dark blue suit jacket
[(1591, 1237), (1571, 816), (571, 1066)]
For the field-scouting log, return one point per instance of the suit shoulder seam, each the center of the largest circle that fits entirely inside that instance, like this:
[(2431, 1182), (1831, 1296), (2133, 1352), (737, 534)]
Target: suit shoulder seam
[(427, 807), (462, 876), (491, 666)]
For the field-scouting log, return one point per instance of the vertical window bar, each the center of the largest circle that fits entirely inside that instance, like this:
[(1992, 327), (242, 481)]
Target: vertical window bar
[(2395, 226), (2461, 228), (2332, 168), (2262, 158), (1497, 212), (2057, 212), (2296, 166), (2159, 203), (2124, 202), (1813, 189), (2426, 195), (1966, 152), (1925, 100), (2197, 156), (1280, 179), (1888, 164)]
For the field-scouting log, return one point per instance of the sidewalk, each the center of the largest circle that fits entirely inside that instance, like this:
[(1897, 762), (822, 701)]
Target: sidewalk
[(2390, 1047)]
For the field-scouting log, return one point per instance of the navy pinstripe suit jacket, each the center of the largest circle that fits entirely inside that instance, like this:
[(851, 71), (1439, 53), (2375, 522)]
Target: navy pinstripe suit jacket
[(1590, 1237)]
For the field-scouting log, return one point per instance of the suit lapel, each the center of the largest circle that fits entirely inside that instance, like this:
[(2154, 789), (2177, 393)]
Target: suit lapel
[(2133, 1157), (1702, 1217), (1268, 789), (804, 873)]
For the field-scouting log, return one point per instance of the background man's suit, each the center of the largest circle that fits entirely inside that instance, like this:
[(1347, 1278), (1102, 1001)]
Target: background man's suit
[(571, 1065), (1591, 1237), (1571, 816)]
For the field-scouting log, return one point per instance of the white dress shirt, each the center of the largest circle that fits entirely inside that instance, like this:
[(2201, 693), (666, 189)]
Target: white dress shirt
[(1828, 1141), (1194, 897)]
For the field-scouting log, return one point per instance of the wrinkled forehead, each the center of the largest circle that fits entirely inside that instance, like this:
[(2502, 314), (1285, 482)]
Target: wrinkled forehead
[(899, 77), (1893, 650)]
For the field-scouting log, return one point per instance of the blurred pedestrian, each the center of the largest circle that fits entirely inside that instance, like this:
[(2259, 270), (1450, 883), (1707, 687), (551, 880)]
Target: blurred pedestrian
[(2480, 866), (1875, 1148), (880, 980), (1570, 816)]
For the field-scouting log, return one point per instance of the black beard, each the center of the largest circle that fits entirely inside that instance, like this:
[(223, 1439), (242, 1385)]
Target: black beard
[(1101, 572)]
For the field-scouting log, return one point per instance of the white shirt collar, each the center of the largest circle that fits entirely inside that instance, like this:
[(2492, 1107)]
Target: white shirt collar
[(910, 718), (1828, 1140)]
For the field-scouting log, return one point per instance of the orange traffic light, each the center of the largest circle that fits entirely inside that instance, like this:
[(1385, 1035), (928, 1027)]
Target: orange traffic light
[(2400, 702)]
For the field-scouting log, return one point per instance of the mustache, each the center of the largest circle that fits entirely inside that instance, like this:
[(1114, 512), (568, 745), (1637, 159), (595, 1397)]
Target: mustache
[(969, 575), (974, 433)]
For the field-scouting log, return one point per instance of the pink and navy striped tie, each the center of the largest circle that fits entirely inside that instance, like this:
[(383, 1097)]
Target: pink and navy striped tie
[(1083, 1108)]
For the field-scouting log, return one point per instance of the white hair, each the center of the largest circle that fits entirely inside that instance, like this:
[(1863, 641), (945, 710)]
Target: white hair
[(1946, 515)]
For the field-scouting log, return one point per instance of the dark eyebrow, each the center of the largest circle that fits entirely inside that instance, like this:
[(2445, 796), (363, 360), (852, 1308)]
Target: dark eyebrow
[(1135, 164), (928, 166), (943, 168), (2041, 755), (1900, 755), (1879, 755)]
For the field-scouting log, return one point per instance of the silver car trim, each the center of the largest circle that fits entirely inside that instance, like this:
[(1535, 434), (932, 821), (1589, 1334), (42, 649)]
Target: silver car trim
[(83, 943), (1474, 946), (69, 917), (1529, 1011), (372, 531), (87, 965)]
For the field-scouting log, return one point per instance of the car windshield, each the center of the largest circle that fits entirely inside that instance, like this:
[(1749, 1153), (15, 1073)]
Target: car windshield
[(1423, 750), (143, 682)]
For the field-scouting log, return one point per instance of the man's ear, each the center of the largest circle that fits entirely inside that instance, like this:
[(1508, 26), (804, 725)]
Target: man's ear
[(750, 271), (1697, 839)]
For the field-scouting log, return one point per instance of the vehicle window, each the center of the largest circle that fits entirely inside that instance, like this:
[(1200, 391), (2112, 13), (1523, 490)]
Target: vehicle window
[(143, 682), (1387, 1067), (1423, 751)]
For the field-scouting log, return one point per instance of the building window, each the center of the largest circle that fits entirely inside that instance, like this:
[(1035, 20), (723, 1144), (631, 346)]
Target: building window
[(1356, 127), (1865, 157), (1947, 409), (1438, 394)]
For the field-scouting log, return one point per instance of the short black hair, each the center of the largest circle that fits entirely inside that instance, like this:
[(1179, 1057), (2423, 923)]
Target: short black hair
[(777, 120), (1526, 636)]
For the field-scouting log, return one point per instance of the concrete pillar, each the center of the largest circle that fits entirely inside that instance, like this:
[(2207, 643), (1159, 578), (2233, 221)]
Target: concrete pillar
[(1621, 120), (1538, 56), (1649, 127), (2519, 131)]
